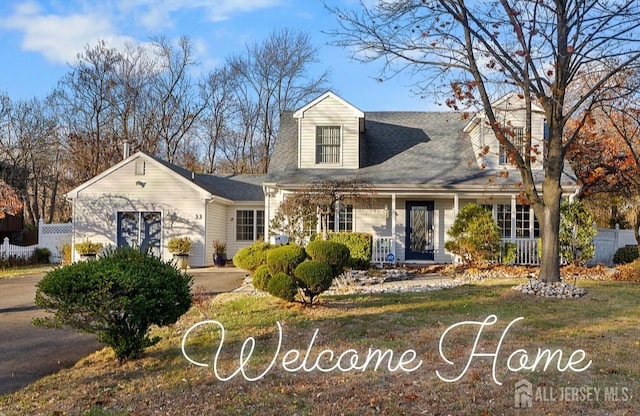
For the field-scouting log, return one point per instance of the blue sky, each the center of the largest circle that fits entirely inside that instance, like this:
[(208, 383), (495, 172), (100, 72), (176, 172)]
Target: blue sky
[(40, 38)]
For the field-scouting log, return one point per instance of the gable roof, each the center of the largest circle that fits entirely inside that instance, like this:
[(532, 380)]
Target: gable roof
[(504, 104), (355, 111), (429, 150), (235, 187), (231, 187)]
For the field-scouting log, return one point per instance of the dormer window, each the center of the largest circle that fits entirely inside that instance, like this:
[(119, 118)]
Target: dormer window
[(328, 144), (516, 137)]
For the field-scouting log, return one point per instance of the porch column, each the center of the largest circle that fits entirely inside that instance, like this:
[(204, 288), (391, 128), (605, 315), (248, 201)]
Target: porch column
[(513, 217), (456, 204), (393, 225), (393, 215)]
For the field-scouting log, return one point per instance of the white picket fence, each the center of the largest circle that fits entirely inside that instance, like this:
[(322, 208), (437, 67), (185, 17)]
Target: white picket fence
[(50, 236)]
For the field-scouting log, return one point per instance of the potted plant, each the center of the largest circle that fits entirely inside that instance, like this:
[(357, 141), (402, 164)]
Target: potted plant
[(180, 248), (219, 253), (88, 250)]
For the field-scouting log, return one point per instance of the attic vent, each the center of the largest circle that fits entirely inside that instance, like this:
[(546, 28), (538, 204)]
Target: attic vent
[(139, 167)]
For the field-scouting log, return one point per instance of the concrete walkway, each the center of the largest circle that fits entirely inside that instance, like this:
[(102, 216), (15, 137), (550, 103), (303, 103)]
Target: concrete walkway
[(28, 352)]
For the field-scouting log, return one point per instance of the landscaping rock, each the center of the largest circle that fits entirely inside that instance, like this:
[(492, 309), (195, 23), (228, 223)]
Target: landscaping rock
[(560, 290)]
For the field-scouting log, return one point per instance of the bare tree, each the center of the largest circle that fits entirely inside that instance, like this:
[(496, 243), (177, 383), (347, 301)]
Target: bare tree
[(30, 157), (541, 49), (276, 77), (87, 106), (218, 90), (324, 195), (173, 96)]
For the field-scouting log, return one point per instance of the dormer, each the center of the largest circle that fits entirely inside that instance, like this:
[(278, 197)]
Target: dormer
[(329, 133), (509, 110)]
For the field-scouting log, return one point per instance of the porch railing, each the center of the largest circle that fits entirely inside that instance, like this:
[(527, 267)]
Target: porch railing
[(383, 250), (526, 251)]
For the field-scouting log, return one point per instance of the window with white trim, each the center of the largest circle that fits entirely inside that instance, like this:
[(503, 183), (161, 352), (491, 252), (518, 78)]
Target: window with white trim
[(526, 222), (516, 137), (341, 219), (249, 224), (503, 219), (328, 144)]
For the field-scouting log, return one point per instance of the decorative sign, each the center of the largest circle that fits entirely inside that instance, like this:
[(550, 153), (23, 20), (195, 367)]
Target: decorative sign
[(391, 258)]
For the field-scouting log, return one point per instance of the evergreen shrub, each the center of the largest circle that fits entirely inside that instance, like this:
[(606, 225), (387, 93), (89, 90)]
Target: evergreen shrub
[(261, 278), (285, 259), (626, 255), (359, 245), (117, 297), (252, 257), (314, 277), (283, 286), (332, 253)]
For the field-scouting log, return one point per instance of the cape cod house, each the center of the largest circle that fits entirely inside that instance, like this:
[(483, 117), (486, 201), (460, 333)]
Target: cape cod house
[(422, 166)]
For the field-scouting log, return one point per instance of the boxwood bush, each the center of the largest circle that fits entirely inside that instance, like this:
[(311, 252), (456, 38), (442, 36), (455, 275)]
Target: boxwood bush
[(252, 257), (626, 255), (117, 297), (283, 286), (313, 277), (332, 253), (359, 245), (285, 259), (261, 278)]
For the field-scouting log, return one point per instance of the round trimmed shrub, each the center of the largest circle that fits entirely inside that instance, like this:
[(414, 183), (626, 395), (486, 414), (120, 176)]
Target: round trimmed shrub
[(332, 253), (252, 257), (283, 286), (261, 278), (625, 255), (314, 278), (285, 259), (117, 297)]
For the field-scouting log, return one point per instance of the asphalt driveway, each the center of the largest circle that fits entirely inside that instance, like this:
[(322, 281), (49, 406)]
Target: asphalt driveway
[(28, 352)]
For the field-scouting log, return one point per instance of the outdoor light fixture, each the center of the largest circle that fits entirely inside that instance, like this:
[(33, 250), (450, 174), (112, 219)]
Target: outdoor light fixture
[(386, 211)]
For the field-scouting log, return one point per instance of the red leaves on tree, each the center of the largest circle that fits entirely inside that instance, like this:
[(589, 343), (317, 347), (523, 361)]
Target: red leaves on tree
[(9, 201)]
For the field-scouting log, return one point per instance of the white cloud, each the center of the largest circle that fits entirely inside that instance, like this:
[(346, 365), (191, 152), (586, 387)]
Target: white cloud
[(63, 30), (59, 37), (155, 14)]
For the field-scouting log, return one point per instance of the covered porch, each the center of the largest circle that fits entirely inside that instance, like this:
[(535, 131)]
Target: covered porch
[(417, 224)]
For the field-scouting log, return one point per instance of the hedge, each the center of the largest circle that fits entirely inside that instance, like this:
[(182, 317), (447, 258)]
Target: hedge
[(359, 245)]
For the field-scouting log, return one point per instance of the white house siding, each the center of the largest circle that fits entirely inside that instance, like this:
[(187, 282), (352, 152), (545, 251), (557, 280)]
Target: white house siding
[(159, 190), (374, 219), (217, 219), (329, 112)]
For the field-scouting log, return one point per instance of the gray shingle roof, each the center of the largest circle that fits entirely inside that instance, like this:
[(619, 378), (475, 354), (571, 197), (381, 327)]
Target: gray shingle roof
[(427, 149), (234, 187)]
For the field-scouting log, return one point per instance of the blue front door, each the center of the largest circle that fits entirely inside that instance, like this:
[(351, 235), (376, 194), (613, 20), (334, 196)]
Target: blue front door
[(419, 239)]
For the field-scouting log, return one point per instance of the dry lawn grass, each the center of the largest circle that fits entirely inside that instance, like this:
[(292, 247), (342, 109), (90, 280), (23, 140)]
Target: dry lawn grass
[(605, 323)]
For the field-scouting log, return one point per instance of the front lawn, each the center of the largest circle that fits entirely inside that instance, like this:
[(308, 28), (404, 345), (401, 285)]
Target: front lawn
[(605, 324), (14, 271)]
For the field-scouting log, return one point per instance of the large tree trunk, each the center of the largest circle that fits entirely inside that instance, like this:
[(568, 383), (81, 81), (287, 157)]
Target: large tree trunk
[(551, 196), (550, 261)]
